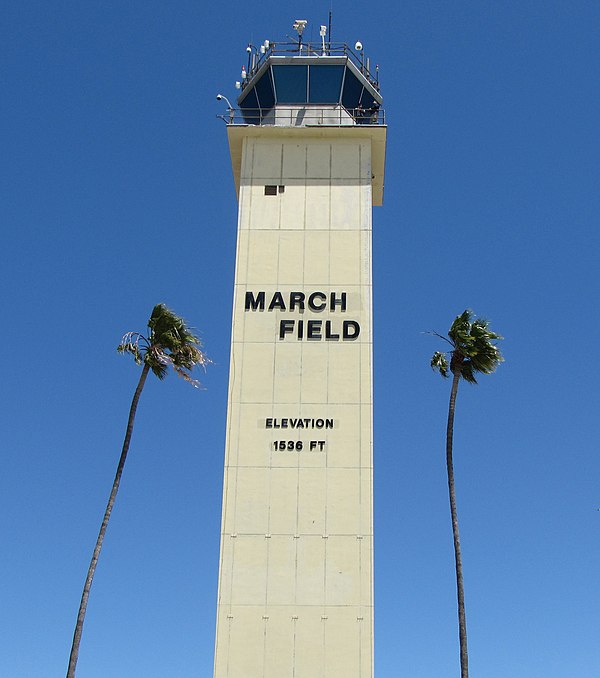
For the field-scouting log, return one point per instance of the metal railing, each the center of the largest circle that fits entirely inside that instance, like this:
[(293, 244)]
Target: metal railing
[(304, 116), (256, 58)]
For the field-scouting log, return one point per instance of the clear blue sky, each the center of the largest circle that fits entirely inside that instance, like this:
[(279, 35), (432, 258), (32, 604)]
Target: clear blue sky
[(117, 194)]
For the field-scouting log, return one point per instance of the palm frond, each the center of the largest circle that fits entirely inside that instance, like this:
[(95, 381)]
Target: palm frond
[(473, 349), (439, 363), (170, 343), (130, 343), (467, 372)]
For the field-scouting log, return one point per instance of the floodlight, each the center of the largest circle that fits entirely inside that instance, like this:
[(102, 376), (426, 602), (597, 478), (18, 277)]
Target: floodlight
[(299, 25), (222, 97)]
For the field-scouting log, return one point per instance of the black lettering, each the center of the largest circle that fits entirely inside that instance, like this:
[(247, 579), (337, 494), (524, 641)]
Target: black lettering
[(328, 423), (328, 333), (351, 330), (255, 304), (269, 423), (341, 302), (286, 327), (297, 299), (277, 302), (314, 306), (300, 329), (314, 329)]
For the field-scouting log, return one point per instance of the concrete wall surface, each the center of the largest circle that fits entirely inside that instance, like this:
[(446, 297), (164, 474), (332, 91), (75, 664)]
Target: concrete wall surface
[(296, 582)]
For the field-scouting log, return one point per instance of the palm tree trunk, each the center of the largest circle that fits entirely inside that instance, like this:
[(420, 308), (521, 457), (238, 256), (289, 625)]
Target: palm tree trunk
[(462, 618), (113, 495)]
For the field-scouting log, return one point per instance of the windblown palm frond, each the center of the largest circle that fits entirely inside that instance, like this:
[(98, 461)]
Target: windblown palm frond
[(170, 342), (472, 349), (439, 362)]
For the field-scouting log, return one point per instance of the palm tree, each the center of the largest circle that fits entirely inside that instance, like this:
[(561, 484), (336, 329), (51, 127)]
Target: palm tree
[(169, 342), (472, 351)]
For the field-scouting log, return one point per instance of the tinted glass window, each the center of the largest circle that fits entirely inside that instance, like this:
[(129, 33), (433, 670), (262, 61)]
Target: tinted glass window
[(290, 84), (249, 106), (249, 100), (353, 89), (264, 90), (325, 84)]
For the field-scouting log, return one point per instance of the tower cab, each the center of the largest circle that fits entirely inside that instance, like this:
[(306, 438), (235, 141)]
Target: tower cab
[(309, 84)]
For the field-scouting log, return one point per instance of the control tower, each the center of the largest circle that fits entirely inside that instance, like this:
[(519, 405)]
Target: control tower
[(307, 143)]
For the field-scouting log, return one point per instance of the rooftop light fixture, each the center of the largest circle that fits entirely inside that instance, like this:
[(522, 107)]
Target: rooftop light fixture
[(323, 33), (299, 26)]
